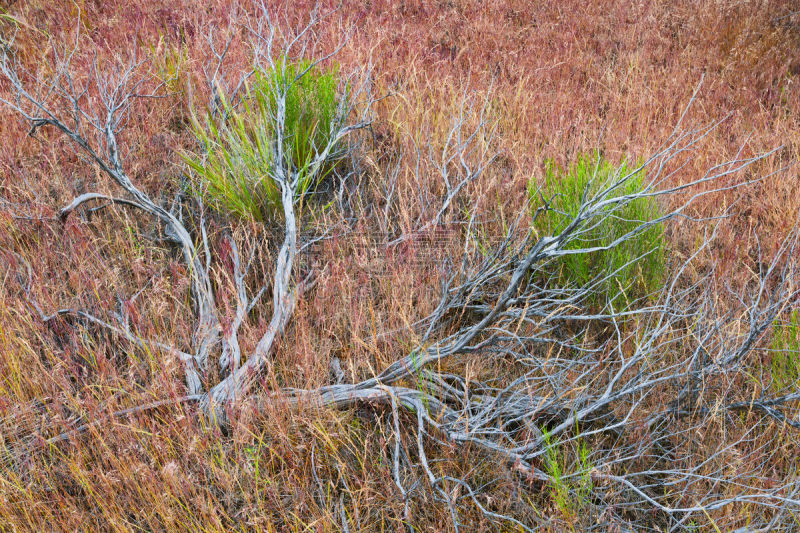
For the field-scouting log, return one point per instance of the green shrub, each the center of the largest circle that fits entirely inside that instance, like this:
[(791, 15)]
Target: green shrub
[(786, 353), (236, 165), (631, 278)]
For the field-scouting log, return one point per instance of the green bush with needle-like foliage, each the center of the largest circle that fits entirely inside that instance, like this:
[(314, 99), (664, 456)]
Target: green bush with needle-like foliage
[(234, 168)]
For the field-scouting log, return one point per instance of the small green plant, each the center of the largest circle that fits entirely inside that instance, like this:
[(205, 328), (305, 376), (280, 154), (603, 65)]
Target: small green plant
[(235, 168), (555, 469), (571, 492), (786, 353), (633, 268)]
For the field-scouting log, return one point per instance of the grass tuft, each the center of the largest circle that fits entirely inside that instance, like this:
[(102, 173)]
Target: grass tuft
[(786, 353), (633, 269)]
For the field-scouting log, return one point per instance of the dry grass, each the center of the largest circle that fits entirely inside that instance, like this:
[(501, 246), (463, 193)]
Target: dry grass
[(567, 77)]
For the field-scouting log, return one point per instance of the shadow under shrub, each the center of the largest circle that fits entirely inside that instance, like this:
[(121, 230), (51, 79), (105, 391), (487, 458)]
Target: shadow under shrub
[(234, 169), (628, 271)]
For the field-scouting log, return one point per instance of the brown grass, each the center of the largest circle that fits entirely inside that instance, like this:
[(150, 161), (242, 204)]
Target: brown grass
[(567, 77)]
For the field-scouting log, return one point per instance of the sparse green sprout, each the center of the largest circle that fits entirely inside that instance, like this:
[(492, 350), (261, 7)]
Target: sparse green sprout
[(555, 469), (170, 61), (571, 485), (633, 268), (236, 166), (786, 353)]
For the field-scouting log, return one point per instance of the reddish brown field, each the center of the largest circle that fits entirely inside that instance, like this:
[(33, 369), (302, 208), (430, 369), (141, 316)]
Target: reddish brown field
[(563, 78)]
